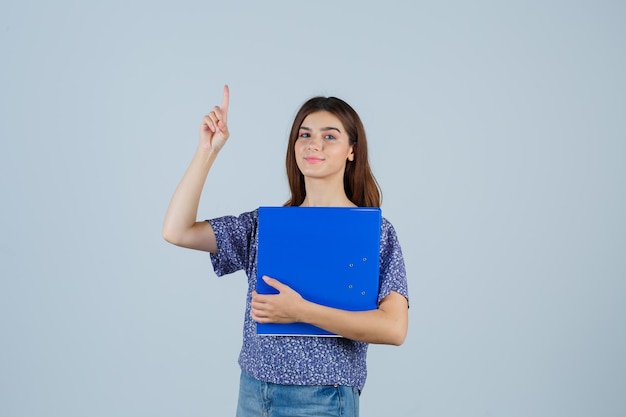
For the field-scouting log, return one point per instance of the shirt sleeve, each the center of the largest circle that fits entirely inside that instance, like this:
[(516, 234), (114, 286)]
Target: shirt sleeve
[(235, 237), (392, 269)]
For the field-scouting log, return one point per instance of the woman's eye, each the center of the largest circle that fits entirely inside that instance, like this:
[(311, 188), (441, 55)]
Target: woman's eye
[(304, 135), (329, 137)]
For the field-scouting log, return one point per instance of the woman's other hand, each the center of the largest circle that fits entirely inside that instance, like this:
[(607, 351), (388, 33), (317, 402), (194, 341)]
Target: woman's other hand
[(284, 307)]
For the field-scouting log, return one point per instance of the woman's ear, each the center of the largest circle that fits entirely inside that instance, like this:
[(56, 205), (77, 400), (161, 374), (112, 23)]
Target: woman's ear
[(351, 154)]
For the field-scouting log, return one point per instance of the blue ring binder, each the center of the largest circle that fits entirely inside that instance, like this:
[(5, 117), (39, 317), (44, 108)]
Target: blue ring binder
[(330, 255)]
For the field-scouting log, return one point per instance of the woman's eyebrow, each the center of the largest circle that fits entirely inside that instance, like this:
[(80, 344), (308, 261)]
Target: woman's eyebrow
[(324, 129)]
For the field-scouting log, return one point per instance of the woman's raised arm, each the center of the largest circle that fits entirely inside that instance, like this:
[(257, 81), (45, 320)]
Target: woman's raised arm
[(180, 226)]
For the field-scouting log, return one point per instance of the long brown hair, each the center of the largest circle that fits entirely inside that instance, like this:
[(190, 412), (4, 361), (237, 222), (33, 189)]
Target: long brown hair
[(358, 180)]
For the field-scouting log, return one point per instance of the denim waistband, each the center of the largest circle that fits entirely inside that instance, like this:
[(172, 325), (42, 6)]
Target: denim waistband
[(266, 399)]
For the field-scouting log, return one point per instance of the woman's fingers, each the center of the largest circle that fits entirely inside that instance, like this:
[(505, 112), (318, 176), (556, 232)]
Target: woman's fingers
[(207, 124), (218, 118), (215, 120)]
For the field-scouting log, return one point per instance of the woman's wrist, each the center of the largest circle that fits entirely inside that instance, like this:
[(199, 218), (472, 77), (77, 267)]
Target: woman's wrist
[(206, 154)]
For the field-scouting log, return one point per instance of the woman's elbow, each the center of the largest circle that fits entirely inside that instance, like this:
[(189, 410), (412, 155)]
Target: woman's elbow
[(393, 334), (395, 308), (171, 236), (397, 336)]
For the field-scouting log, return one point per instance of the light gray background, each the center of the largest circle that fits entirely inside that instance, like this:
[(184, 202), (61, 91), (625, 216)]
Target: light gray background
[(497, 135)]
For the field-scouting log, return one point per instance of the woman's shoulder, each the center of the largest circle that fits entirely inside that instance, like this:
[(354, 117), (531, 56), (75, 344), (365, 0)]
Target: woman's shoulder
[(386, 225)]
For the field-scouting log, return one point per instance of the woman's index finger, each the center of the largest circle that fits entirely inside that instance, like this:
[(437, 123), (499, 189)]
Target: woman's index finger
[(225, 99)]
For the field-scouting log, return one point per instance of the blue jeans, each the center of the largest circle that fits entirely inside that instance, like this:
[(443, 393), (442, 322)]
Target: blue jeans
[(264, 399)]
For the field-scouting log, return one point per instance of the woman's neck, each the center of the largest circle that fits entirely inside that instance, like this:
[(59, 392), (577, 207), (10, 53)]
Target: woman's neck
[(321, 194)]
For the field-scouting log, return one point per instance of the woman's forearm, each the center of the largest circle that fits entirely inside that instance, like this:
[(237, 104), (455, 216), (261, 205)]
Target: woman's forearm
[(385, 325)]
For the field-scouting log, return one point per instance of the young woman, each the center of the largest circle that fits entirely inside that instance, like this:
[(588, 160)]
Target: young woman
[(327, 165)]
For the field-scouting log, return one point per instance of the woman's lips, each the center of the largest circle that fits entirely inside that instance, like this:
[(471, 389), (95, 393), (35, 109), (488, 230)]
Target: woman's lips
[(313, 159)]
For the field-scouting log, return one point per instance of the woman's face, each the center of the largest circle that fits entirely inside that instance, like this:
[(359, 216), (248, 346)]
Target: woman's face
[(323, 147)]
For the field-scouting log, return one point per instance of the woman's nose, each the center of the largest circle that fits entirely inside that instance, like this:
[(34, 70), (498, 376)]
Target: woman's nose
[(315, 142)]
